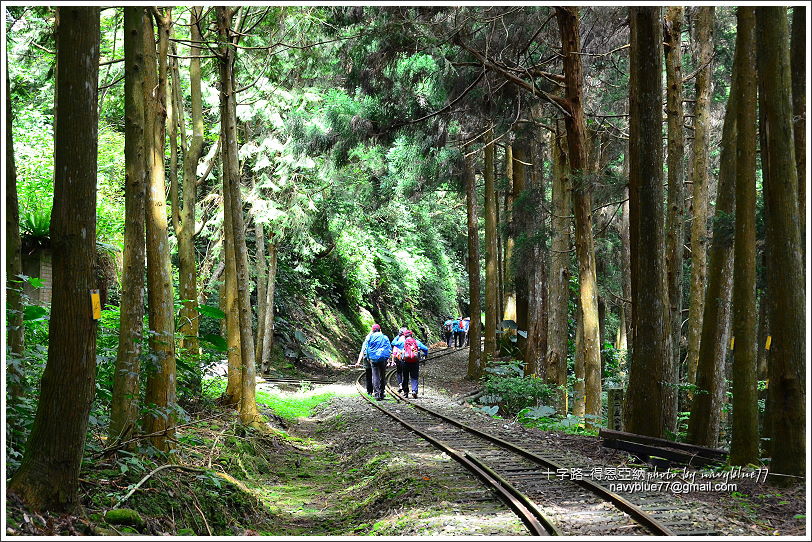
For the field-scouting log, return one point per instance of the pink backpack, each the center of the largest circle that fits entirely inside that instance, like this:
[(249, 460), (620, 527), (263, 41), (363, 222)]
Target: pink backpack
[(411, 352)]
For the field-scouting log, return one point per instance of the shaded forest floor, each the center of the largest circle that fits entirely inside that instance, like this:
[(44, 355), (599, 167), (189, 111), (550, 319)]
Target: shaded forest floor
[(333, 465)]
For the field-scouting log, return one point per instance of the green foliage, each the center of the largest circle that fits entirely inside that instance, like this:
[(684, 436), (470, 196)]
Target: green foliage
[(511, 391)]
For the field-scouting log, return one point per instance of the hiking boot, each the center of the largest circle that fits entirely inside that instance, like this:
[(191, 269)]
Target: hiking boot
[(414, 395)]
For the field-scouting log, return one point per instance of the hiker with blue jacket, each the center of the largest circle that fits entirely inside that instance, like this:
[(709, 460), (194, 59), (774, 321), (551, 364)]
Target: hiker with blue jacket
[(362, 355), (411, 362), (456, 331), (378, 349)]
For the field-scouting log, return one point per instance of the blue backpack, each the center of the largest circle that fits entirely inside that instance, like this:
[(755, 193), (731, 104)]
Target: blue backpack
[(378, 347)]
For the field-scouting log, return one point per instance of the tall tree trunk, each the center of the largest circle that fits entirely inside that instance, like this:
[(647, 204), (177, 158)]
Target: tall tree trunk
[(624, 230), (161, 386), (650, 407), (474, 352), (798, 66), (234, 385), (491, 256), (534, 219), (262, 284), (521, 266), (267, 343), (558, 285), (48, 477), (249, 414), (675, 219), (509, 219), (582, 205), (124, 402), (787, 386), (187, 267), (14, 266), (703, 425), (699, 177), (579, 388), (744, 443)]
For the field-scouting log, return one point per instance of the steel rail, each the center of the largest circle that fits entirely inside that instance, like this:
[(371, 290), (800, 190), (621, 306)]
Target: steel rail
[(536, 522), (634, 511)]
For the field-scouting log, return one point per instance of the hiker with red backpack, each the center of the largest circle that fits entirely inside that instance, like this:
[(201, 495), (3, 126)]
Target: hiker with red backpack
[(397, 354), (411, 362), (460, 340)]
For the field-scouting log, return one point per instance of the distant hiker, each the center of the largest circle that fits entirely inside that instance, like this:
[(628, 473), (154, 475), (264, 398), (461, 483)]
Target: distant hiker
[(447, 330), (464, 325), (397, 354), (411, 362), (378, 351), (455, 331)]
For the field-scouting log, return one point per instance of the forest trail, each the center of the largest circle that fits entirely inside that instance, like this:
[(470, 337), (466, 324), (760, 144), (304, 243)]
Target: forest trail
[(229, 192)]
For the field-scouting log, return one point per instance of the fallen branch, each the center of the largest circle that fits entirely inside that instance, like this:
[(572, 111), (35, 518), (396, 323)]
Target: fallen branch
[(149, 475)]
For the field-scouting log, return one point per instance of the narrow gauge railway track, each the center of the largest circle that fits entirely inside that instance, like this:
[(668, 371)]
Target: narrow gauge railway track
[(535, 521), (574, 507)]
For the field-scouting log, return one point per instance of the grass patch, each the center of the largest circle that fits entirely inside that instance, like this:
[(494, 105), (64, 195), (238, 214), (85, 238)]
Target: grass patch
[(295, 406)]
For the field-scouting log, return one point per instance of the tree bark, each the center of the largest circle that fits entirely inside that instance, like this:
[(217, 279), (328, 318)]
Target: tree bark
[(124, 402), (14, 266), (532, 210), (48, 477), (650, 407), (249, 414), (798, 66), (262, 285), (578, 388), (233, 391), (582, 205), (699, 177), (491, 256), (744, 442), (787, 386), (558, 285), (520, 268), (161, 392), (703, 425), (187, 266), (675, 219), (509, 219), (267, 343), (474, 352)]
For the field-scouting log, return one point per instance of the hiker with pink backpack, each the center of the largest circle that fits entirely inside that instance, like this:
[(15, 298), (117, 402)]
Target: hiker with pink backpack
[(410, 349)]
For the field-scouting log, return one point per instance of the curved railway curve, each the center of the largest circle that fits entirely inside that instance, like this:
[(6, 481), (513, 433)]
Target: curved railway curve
[(528, 480)]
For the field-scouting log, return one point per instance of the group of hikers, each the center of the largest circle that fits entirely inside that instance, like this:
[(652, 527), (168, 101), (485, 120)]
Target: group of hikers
[(403, 352), (456, 330)]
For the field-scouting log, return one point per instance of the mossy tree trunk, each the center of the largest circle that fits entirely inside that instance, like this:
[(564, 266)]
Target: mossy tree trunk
[(787, 385), (582, 205), (161, 388), (474, 352), (509, 219), (125, 398), (249, 414), (187, 266), (798, 65), (491, 256), (703, 425), (650, 408), (699, 178), (675, 218), (48, 477), (744, 444), (558, 285)]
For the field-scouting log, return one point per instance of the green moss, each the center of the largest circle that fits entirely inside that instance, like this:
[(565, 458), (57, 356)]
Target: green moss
[(124, 516)]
